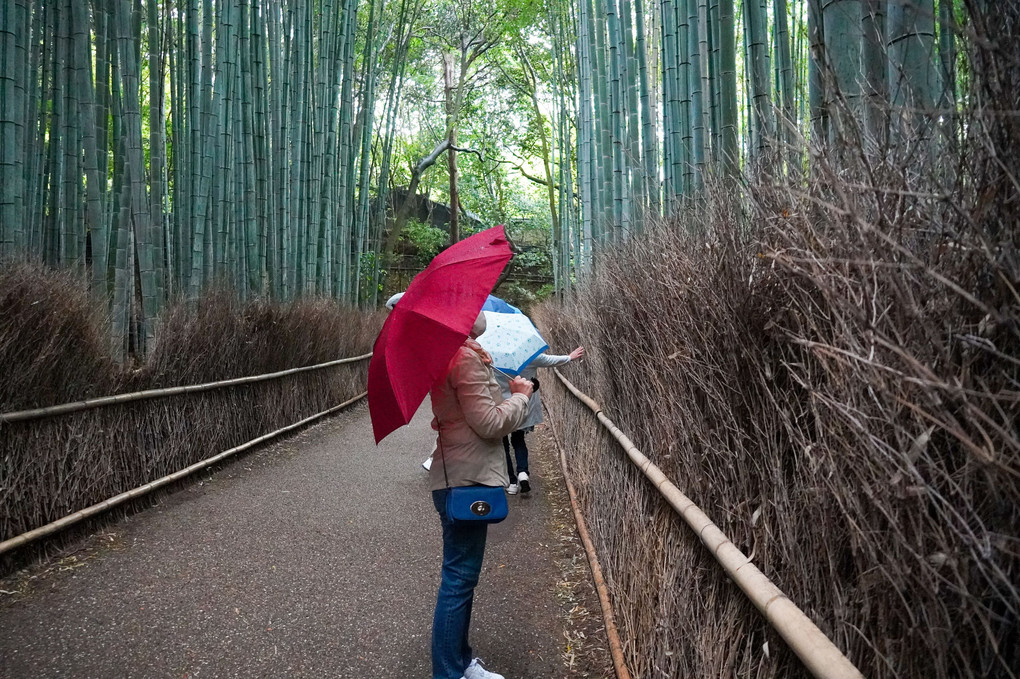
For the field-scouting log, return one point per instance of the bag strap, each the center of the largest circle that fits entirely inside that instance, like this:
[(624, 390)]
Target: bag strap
[(442, 452)]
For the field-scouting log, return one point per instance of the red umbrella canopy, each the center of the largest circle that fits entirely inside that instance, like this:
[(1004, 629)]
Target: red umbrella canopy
[(430, 322)]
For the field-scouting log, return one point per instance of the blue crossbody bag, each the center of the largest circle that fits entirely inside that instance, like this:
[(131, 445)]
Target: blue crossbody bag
[(484, 504), (477, 503)]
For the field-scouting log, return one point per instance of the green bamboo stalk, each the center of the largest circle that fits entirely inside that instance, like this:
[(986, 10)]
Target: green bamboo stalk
[(368, 110), (603, 112), (13, 124), (72, 227), (134, 178), (914, 85), (786, 122), (254, 157), (295, 215), (564, 30), (346, 155), (179, 108), (685, 158), (729, 149), (696, 85), (705, 54), (649, 136), (635, 199), (873, 65), (618, 127), (157, 148), (816, 85), (56, 235), (262, 141), (673, 142), (223, 167), (94, 221), (124, 264), (758, 52), (842, 32), (280, 83), (33, 140), (715, 79), (201, 255)]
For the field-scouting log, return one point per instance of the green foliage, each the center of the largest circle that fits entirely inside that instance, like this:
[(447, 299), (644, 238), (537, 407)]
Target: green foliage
[(366, 282), (522, 297), (426, 239), (536, 260)]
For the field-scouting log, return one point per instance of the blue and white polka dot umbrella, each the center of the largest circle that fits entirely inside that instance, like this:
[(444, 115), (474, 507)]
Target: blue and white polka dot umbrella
[(512, 340)]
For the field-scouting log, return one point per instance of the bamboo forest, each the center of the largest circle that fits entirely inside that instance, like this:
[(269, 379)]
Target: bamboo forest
[(277, 146)]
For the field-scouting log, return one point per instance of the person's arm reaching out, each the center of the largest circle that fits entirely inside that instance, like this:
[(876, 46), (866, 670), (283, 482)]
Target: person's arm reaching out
[(553, 360)]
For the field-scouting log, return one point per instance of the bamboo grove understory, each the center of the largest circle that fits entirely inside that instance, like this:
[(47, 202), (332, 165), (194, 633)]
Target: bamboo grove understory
[(165, 146)]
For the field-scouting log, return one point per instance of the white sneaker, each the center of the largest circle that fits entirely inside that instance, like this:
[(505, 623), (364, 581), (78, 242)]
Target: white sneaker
[(427, 464), (512, 489), (524, 482), (476, 671)]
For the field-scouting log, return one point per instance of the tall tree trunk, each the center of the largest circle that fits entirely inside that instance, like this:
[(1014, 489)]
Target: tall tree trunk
[(451, 138), (400, 219)]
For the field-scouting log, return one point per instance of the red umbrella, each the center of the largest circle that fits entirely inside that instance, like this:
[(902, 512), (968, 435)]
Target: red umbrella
[(430, 322)]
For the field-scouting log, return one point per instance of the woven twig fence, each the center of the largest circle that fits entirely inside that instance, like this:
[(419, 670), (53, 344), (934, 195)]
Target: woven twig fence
[(55, 461), (819, 655), (845, 411)]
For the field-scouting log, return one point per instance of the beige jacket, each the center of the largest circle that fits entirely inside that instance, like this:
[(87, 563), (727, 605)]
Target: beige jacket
[(472, 418)]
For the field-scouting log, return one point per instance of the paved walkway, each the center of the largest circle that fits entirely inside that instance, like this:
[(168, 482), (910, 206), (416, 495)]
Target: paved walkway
[(318, 556)]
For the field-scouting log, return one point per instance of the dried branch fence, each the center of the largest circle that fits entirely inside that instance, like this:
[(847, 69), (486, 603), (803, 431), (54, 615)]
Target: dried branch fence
[(184, 405), (11, 543), (838, 389), (815, 650)]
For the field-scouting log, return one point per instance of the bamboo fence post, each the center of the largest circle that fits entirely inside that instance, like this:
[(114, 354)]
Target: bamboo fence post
[(615, 645), (819, 655)]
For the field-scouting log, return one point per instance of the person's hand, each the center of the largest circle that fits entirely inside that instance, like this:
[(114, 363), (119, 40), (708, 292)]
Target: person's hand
[(577, 353), (519, 385)]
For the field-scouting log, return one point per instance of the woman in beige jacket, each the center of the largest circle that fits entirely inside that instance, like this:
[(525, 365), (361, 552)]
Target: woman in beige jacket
[(471, 419)]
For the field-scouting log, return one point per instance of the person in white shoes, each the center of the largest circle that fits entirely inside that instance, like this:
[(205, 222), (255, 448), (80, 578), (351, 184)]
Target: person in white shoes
[(471, 416), (476, 671), (521, 481)]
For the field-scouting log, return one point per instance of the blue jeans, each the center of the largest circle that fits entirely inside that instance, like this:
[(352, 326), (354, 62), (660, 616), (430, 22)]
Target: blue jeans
[(463, 550), (520, 452)]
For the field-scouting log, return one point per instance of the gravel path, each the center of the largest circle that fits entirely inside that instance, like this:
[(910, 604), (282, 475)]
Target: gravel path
[(318, 556)]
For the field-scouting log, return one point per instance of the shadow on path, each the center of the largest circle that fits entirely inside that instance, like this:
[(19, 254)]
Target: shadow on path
[(315, 557)]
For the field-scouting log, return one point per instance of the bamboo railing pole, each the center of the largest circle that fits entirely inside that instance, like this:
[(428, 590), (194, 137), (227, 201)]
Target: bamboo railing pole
[(615, 645), (71, 519), (819, 655), (65, 408)]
